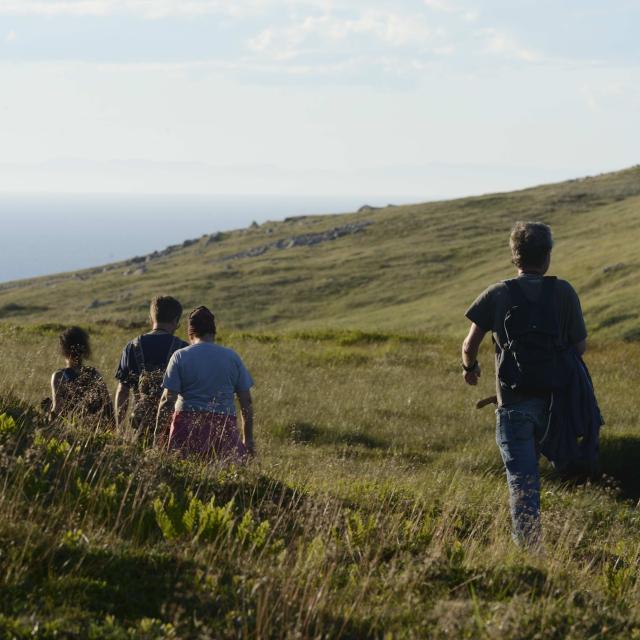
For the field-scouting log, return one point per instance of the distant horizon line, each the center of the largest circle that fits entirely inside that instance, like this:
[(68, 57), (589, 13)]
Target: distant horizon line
[(413, 197)]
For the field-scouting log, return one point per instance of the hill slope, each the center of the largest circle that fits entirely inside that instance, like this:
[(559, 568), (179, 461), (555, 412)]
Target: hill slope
[(399, 268)]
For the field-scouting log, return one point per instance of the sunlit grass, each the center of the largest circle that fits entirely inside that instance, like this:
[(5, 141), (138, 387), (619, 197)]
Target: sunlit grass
[(377, 505)]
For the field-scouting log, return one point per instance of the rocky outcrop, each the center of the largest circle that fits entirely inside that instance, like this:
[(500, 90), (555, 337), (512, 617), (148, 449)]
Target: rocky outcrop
[(612, 268), (367, 207), (303, 240), (135, 272), (155, 255), (214, 237)]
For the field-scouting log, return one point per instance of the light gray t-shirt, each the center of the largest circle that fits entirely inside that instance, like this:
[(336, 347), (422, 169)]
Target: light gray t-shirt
[(490, 307), (206, 376)]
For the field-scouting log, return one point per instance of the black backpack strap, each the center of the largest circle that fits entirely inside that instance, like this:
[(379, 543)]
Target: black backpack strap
[(548, 291), (138, 354), (517, 299), (173, 347), (548, 299), (516, 293)]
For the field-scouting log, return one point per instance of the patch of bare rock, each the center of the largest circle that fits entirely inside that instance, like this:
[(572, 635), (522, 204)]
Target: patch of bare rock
[(303, 240)]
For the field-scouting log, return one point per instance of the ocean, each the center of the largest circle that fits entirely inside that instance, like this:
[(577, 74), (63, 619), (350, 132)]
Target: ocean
[(43, 234)]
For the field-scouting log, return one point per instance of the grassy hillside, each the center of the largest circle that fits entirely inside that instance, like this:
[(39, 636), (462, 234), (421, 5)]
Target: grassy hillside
[(377, 507), (377, 504), (413, 268)]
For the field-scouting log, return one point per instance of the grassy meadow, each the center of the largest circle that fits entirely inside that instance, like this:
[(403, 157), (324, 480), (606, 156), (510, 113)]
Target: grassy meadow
[(377, 505)]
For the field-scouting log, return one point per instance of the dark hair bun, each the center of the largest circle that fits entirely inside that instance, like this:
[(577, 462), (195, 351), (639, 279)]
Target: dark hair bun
[(74, 343), (201, 323)]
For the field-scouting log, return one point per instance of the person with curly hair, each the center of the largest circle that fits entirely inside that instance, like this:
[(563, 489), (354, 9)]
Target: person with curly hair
[(78, 390)]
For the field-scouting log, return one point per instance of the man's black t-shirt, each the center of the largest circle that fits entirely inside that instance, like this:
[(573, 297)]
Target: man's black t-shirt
[(155, 348)]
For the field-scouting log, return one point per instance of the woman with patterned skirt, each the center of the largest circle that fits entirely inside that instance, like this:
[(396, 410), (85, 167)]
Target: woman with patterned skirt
[(203, 380)]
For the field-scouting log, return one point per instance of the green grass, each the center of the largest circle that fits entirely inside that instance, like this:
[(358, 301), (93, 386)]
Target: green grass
[(377, 505)]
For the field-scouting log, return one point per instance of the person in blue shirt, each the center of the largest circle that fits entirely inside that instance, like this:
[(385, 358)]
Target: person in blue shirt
[(143, 363), (203, 381)]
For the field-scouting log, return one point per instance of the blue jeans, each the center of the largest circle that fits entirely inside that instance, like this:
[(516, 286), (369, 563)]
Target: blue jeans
[(519, 429)]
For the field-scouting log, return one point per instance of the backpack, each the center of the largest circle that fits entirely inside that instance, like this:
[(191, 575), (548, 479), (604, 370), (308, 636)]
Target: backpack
[(149, 388), (532, 359), (84, 392)]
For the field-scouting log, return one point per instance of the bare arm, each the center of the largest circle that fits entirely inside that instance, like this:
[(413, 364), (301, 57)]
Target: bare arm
[(56, 379), (122, 403), (165, 411), (246, 411), (470, 348)]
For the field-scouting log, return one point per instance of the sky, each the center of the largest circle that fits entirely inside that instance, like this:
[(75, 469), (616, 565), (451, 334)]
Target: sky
[(407, 98)]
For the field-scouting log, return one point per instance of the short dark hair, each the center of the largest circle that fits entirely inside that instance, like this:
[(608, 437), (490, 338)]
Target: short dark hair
[(165, 309), (531, 243), (74, 343), (201, 323)]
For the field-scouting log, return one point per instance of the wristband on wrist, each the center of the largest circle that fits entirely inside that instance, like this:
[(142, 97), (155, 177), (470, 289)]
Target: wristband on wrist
[(473, 367)]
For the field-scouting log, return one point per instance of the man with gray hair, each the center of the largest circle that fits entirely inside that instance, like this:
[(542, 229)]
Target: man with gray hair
[(533, 320)]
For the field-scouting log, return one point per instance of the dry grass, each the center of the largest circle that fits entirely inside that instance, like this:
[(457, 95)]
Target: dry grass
[(376, 507)]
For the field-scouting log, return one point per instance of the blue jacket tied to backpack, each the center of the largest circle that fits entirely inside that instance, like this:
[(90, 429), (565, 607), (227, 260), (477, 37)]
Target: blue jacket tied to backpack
[(573, 432)]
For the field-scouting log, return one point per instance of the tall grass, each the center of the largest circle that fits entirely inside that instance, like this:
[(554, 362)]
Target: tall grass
[(376, 508)]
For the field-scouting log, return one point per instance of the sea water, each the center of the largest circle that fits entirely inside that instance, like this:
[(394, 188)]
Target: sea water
[(43, 234)]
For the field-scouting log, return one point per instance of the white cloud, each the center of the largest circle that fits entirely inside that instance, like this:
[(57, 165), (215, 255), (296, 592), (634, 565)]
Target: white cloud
[(441, 5), (445, 6), (152, 9), (503, 44), (30, 7), (327, 31)]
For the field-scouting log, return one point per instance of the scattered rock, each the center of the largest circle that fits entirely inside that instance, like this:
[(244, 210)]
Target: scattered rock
[(135, 272), (304, 240), (215, 237), (367, 207), (612, 268), (98, 303)]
